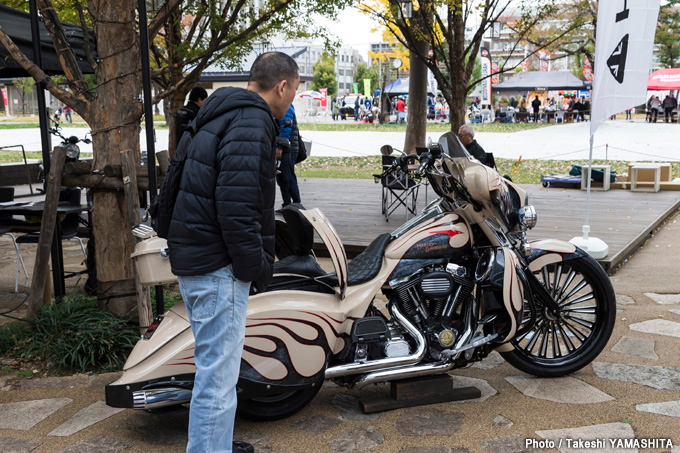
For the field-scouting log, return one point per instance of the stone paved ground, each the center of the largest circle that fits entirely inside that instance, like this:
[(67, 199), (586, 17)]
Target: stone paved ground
[(632, 391)]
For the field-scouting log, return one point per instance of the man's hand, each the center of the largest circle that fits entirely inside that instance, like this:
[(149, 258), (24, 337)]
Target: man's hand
[(279, 153)]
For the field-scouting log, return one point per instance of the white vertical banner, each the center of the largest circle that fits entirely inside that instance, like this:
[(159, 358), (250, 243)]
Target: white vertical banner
[(431, 83), (623, 55), (486, 76)]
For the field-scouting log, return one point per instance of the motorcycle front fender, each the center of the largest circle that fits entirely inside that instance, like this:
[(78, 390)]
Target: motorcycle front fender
[(550, 251)]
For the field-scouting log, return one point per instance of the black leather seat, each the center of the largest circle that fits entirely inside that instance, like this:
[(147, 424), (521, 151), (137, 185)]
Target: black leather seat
[(299, 265), (366, 265)]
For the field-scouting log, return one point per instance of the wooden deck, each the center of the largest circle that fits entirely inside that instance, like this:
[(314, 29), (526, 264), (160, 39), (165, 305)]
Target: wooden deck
[(623, 219)]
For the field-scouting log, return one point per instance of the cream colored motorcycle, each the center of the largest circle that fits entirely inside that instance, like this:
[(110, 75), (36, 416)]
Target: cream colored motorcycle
[(461, 279)]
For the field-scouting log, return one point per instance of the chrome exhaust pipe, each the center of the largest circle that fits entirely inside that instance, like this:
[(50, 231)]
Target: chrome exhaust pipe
[(161, 397), (391, 362), (394, 374)]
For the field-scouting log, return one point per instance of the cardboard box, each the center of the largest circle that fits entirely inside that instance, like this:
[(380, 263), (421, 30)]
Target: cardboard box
[(648, 175)]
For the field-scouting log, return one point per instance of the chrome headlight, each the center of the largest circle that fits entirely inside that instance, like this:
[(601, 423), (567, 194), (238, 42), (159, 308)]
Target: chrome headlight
[(72, 151), (527, 216)]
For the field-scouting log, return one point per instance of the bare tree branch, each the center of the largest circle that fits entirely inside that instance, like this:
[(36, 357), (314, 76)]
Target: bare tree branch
[(157, 22), (86, 36), (78, 103), (67, 57)]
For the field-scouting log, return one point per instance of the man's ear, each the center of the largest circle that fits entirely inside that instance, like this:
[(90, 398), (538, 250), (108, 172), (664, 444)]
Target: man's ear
[(281, 86)]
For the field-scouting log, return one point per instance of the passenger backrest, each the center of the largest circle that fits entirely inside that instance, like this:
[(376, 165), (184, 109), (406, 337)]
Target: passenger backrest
[(301, 231)]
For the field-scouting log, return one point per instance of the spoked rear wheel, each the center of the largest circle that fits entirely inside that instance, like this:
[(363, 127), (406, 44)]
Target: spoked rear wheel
[(561, 344)]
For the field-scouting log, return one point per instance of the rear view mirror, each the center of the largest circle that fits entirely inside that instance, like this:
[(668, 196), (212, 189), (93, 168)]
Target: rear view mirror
[(386, 150)]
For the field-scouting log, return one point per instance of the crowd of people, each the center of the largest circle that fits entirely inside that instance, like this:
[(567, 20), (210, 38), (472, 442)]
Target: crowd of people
[(536, 110), (367, 109), (669, 106)]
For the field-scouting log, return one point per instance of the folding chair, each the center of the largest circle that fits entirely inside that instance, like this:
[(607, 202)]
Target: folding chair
[(398, 188)]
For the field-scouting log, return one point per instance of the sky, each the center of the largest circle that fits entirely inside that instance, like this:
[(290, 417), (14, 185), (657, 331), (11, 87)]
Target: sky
[(353, 28)]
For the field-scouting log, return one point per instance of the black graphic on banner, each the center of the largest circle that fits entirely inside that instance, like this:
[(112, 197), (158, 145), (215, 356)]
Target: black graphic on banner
[(617, 60)]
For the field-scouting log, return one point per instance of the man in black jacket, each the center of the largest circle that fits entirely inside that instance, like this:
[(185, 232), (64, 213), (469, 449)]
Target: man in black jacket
[(221, 236), (466, 135), (187, 113)]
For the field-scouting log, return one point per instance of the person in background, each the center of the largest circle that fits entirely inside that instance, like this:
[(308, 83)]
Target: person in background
[(578, 107), (290, 193), (654, 106), (356, 109), (629, 116), (334, 109), (343, 109), (466, 135), (536, 105), (669, 103), (187, 113), (222, 233), (401, 110), (67, 113)]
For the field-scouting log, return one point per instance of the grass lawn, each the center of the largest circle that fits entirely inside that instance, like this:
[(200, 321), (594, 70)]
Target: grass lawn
[(526, 172)]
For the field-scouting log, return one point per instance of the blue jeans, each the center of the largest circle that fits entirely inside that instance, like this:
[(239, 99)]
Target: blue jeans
[(216, 304), (290, 193)]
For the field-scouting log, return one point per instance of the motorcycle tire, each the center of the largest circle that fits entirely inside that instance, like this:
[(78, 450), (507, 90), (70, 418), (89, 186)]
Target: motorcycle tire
[(582, 330), (275, 407)]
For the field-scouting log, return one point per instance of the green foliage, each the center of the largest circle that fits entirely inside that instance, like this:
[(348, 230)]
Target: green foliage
[(11, 335), (171, 296), (667, 33), (75, 335), (366, 72), (325, 76)]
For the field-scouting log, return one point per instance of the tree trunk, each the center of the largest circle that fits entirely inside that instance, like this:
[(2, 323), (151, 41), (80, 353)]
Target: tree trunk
[(416, 127), (116, 114), (176, 102), (457, 108)]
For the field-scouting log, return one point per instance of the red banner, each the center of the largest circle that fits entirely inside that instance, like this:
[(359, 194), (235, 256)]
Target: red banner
[(587, 70), (494, 71), (4, 98), (324, 99)]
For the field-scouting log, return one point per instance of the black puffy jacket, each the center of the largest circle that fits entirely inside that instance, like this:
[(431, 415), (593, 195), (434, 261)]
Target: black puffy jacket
[(224, 212)]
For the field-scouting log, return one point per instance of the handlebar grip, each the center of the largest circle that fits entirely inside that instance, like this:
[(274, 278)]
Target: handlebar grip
[(425, 160)]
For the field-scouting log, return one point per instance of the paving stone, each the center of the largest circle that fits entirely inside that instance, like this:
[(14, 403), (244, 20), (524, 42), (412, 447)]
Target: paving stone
[(98, 382), (359, 439), (260, 443), (664, 299), (26, 414), (622, 299), (567, 390), (350, 408), (672, 310), (670, 408), (101, 444), (317, 425), (420, 421), (483, 386), (432, 450), (88, 416), (492, 361), (513, 443), (639, 347), (499, 420), (55, 383), (658, 326), (593, 432), (172, 426), (661, 378), (12, 445)]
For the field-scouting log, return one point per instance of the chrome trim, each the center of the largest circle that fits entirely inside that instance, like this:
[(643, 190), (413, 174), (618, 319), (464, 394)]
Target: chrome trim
[(392, 362), (500, 234), (403, 373), (528, 216), (162, 397)]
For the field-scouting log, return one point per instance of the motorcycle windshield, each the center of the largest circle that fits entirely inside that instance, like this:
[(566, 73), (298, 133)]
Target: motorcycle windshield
[(452, 147), (333, 243)]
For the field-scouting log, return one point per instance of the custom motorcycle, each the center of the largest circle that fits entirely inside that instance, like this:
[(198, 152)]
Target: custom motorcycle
[(461, 280)]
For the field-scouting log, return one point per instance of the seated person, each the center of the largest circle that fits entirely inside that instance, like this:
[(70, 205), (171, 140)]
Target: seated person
[(466, 135)]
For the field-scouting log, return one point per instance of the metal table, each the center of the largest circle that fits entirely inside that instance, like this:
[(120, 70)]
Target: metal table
[(57, 254)]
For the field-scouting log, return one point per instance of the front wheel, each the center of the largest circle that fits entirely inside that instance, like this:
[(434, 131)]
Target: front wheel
[(275, 407), (559, 345)]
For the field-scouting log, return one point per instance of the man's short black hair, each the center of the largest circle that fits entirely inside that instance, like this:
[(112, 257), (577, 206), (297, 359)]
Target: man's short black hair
[(197, 93), (272, 67)]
